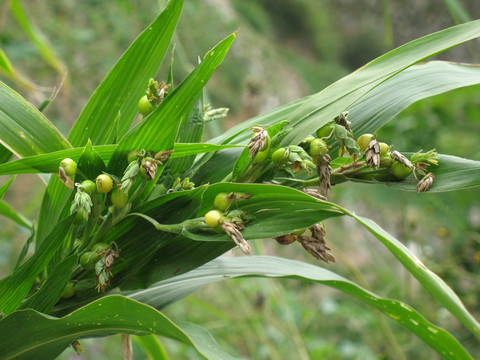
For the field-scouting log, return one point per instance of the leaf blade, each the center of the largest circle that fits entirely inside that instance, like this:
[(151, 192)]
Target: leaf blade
[(168, 291), (46, 337), (118, 94)]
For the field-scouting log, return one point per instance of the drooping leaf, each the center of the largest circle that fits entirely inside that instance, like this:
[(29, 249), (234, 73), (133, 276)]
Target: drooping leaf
[(45, 337), (336, 98), (423, 80), (443, 81), (171, 290), (434, 284)]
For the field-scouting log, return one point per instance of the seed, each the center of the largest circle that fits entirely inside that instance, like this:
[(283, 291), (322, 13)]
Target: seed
[(221, 201), (88, 260), (144, 106), (279, 156), (213, 218), (400, 171), (318, 147), (119, 199), (100, 247), (68, 291), (89, 187), (69, 166), (104, 183), (364, 140)]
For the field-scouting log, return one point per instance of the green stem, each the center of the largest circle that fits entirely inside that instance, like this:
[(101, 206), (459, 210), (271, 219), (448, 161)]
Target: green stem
[(190, 224)]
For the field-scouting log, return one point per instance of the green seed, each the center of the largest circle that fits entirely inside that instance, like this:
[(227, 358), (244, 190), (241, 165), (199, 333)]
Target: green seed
[(325, 131), (100, 247), (318, 148), (68, 291), (221, 201), (278, 156), (132, 156), (364, 140), (81, 216), (104, 183), (69, 166), (144, 106), (119, 199), (400, 171), (89, 187), (88, 260), (298, 232), (384, 147), (213, 218)]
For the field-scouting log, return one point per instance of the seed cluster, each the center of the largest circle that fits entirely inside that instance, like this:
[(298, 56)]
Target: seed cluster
[(232, 222)]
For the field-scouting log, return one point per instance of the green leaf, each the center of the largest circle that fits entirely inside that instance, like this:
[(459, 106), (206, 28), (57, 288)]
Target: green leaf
[(24, 130), (190, 131), (152, 346), (434, 284), (9, 212), (118, 94), (277, 210), (45, 337), (5, 186), (316, 110), (114, 103), (5, 154), (16, 286), (169, 291), (47, 296), (25, 248), (388, 99), (90, 164), (158, 130), (48, 163), (7, 70), (325, 105)]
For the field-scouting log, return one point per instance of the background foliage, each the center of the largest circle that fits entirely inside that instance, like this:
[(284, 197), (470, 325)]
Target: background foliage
[(283, 53)]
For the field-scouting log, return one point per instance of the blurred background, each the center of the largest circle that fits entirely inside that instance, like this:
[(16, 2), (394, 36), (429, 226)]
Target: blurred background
[(284, 51)]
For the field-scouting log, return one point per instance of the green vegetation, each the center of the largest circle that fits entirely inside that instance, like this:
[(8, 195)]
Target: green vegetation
[(149, 189)]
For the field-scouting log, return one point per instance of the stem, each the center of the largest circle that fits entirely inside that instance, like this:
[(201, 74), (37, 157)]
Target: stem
[(190, 224)]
